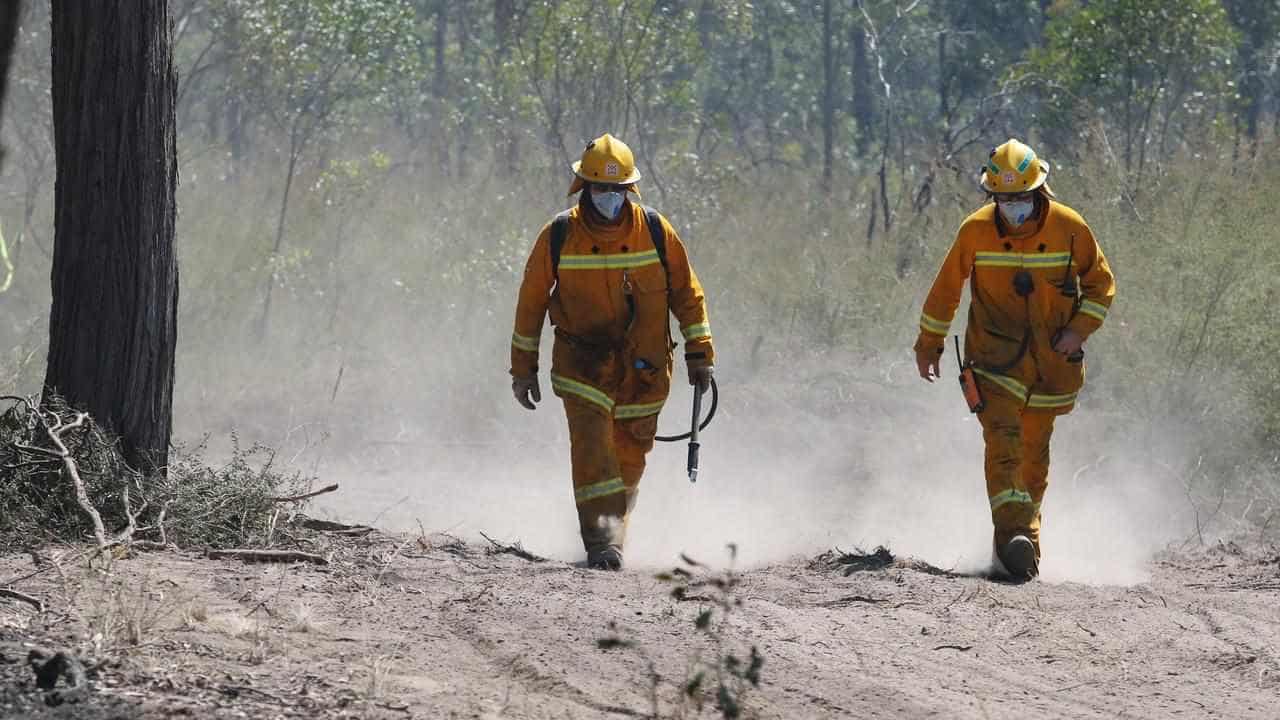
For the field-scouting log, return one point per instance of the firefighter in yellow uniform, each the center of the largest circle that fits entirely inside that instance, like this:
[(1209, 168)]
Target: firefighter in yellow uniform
[(1039, 287), (608, 272)]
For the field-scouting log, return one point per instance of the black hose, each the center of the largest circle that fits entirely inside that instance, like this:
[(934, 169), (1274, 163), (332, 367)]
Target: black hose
[(715, 401)]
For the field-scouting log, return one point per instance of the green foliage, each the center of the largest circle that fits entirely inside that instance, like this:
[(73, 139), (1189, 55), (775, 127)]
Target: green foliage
[(716, 671), (618, 65), (310, 63), (1150, 67)]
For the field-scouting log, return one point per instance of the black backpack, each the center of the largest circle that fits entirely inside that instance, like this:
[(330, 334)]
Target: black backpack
[(560, 230)]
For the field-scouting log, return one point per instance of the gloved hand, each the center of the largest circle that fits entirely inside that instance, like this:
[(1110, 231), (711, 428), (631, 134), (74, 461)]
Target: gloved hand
[(522, 388), (1067, 341), (701, 377), (929, 363)]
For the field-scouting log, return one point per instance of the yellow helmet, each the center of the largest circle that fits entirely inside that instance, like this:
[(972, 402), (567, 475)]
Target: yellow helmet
[(1013, 168), (606, 160)]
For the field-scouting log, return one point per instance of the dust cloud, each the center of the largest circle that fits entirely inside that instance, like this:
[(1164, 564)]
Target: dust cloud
[(886, 461)]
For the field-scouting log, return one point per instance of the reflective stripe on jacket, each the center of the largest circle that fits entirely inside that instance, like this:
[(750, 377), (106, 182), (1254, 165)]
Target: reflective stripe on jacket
[(1060, 247), (612, 352)]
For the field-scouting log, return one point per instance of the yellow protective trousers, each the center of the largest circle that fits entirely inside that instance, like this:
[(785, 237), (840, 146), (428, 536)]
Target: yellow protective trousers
[(607, 454), (1017, 463)]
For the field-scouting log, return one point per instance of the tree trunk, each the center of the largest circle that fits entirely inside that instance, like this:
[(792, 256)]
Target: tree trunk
[(440, 87), (503, 17), (828, 96), (863, 99), (113, 326), (9, 14), (944, 95), (466, 58)]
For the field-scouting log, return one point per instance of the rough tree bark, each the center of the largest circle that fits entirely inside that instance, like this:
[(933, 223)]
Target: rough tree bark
[(10, 12), (113, 325)]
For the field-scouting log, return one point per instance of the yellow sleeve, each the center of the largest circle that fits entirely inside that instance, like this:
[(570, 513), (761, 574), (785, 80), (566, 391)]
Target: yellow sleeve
[(1097, 286), (688, 303), (944, 297), (531, 308)]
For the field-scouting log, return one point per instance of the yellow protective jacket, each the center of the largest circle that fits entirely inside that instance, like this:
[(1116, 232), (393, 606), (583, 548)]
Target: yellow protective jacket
[(1010, 337), (611, 352)]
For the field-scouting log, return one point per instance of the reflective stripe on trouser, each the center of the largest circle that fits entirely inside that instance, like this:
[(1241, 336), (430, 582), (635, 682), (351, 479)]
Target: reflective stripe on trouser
[(1006, 386), (1017, 465), (608, 459)]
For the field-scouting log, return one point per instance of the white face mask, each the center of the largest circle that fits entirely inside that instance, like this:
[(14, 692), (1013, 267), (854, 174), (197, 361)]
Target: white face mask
[(608, 203), (1017, 213)]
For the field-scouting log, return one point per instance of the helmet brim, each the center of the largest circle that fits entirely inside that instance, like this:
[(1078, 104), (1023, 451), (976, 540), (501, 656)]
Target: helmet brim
[(580, 182)]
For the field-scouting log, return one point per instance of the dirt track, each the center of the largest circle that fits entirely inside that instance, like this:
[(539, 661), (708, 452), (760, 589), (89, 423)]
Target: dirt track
[(398, 627)]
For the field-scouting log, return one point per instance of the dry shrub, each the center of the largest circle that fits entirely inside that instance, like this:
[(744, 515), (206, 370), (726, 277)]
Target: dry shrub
[(193, 504)]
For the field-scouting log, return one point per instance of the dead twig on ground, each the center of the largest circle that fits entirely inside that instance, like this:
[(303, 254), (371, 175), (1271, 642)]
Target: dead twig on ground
[(468, 600), (961, 648), (386, 564), (267, 556), (237, 690), (60, 452), (848, 600), (1073, 687), (151, 545), (306, 496), (35, 602), (1091, 633), (333, 528), (516, 549)]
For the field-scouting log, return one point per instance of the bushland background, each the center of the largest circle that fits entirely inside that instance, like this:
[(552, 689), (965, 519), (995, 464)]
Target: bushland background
[(361, 181)]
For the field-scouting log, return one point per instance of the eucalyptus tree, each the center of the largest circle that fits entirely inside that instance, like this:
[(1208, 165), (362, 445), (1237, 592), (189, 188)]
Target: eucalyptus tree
[(113, 324), (312, 67), (9, 15), (1150, 71), (1258, 23), (624, 66)]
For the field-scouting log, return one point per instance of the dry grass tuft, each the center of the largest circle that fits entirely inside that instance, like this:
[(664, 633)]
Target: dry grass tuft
[(304, 618)]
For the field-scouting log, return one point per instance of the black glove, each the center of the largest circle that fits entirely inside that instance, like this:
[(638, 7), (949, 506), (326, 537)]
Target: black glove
[(522, 388), (701, 377)]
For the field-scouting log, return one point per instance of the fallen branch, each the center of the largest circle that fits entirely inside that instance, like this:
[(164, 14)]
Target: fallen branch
[(267, 556), (961, 648), (333, 528), (151, 545), (501, 549), (296, 498), (35, 602), (126, 535), (848, 600), (60, 452), (237, 690)]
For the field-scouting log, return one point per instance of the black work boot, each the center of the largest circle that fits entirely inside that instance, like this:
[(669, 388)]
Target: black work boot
[(1019, 558), (605, 557)]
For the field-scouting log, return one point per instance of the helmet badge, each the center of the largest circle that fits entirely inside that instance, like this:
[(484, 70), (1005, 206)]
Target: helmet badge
[(611, 169)]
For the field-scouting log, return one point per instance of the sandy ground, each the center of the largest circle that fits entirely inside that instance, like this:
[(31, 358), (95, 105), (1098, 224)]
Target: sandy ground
[(432, 627)]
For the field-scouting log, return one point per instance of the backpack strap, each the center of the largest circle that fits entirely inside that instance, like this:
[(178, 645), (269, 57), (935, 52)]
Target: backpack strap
[(657, 235), (559, 231)]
